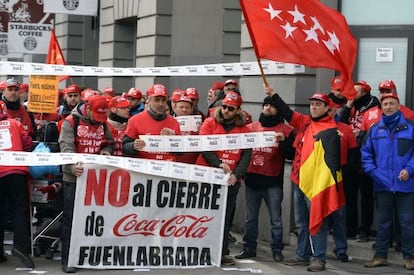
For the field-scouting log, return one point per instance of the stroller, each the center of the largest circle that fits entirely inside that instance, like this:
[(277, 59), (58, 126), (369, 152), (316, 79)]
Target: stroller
[(47, 196)]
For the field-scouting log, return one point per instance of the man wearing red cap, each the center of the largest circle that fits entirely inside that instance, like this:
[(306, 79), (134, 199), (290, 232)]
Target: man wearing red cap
[(10, 104), (24, 93), (388, 157), (83, 131), (152, 121), (215, 95), (71, 98), (227, 119), (231, 85), (192, 93), (337, 86), (317, 146), (134, 97), (373, 115), (117, 121), (352, 114)]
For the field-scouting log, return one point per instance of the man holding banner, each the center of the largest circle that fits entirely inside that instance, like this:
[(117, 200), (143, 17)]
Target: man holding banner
[(84, 131), (227, 119)]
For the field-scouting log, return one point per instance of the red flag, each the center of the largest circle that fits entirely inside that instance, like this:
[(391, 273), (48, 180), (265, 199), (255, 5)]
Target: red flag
[(302, 32), (55, 55)]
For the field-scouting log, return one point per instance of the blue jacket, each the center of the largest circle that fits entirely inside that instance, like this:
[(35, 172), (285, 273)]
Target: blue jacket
[(385, 153)]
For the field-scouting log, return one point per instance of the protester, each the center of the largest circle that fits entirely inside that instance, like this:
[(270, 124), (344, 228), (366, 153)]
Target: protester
[(14, 190), (264, 181), (118, 120), (352, 114), (192, 93), (11, 105), (214, 96), (24, 93), (90, 117), (388, 157), (134, 97), (317, 146), (152, 121), (184, 107), (227, 119), (71, 98), (338, 99)]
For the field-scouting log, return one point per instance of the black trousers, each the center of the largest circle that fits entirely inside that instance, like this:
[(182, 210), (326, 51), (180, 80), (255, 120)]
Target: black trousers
[(69, 189), (14, 189)]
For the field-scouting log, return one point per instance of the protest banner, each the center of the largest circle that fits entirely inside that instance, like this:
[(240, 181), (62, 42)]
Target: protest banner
[(43, 96), (125, 220)]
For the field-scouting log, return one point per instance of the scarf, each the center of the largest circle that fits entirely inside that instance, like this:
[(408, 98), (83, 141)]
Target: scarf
[(156, 116), (391, 121), (117, 118), (270, 121)]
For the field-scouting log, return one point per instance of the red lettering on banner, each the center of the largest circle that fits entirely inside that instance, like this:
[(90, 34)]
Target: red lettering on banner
[(119, 184), (118, 190), (187, 226)]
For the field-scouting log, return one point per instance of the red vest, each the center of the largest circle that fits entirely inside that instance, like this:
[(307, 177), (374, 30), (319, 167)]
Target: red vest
[(20, 115), (89, 138), (267, 161)]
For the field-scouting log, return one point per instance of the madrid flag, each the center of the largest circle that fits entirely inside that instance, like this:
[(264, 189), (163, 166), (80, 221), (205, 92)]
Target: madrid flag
[(55, 55), (303, 32)]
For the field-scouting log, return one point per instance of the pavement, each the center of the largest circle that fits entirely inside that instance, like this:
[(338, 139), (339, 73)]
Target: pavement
[(358, 252)]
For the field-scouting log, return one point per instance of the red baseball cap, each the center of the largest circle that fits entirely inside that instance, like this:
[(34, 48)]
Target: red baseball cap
[(119, 102), (233, 98), (387, 85), (72, 89), (158, 90), (99, 107), (185, 99), (86, 94), (11, 82), (321, 97), (134, 93), (337, 83), (177, 94), (24, 87), (192, 93), (390, 95), (109, 91), (365, 86), (3, 85), (231, 81), (217, 86)]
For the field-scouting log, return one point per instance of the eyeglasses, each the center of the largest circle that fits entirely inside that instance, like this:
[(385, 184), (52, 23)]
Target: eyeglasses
[(231, 89), (230, 108), (384, 91)]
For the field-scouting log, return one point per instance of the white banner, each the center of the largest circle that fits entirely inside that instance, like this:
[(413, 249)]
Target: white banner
[(30, 38), (190, 123), (222, 69), (76, 7), (125, 220)]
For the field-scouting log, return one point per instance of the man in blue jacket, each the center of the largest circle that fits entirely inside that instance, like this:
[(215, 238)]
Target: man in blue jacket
[(388, 157)]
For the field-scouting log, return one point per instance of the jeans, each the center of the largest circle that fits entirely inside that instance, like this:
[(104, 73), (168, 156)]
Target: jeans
[(14, 188), (69, 189), (273, 197), (232, 192), (339, 230), (404, 204), (301, 208)]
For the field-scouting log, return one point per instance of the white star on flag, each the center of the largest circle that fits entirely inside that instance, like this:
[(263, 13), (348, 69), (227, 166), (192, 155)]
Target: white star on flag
[(311, 35), (334, 40), (329, 45), (273, 13), (317, 25), (297, 15), (288, 29)]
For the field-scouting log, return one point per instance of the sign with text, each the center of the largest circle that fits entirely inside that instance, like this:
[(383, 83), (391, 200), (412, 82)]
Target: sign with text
[(43, 96), (125, 220)]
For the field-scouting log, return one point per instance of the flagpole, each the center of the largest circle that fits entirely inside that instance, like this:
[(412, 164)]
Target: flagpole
[(262, 72)]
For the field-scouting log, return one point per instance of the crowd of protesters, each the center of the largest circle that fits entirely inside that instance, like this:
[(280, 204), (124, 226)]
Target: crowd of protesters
[(367, 146)]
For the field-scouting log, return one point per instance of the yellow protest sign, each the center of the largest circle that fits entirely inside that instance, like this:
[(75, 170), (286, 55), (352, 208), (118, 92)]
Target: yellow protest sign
[(43, 93)]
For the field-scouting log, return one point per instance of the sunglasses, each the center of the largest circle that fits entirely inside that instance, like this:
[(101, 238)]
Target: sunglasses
[(230, 108)]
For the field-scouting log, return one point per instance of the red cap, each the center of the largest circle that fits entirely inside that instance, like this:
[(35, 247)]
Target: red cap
[(158, 90), (387, 85), (119, 102), (177, 94), (217, 86), (192, 93), (109, 91), (321, 97), (184, 99), (86, 94), (134, 93), (11, 82), (231, 81), (99, 107), (337, 83), (233, 99), (365, 86), (72, 89), (390, 95), (3, 85), (24, 87)]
